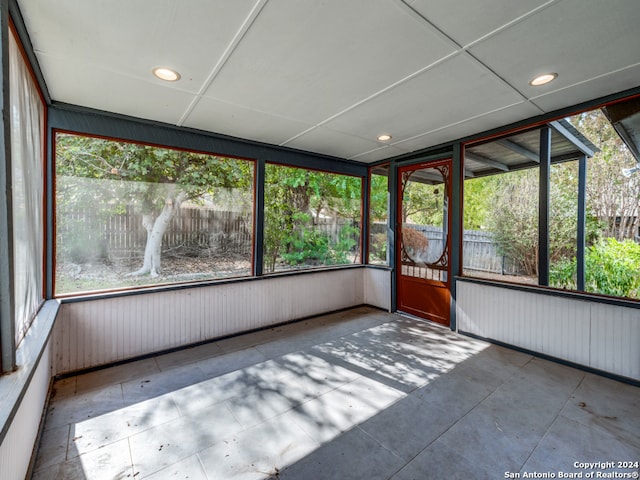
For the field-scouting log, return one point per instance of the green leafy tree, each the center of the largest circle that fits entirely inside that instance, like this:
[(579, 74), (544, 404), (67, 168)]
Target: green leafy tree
[(513, 218), (155, 179), (378, 213), (611, 197), (295, 200)]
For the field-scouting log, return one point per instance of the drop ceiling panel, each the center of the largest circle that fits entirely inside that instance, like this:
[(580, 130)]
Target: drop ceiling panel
[(237, 121), (416, 107), (453, 132), (379, 154), (132, 37), (113, 92), (333, 143), (578, 39), (452, 17), (311, 60), (614, 82), (341, 71)]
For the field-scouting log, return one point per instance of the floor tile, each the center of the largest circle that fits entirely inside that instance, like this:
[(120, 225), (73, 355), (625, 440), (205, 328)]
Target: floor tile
[(568, 441), (440, 461), (272, 403), (454, 392), (108, 463), (352, 456), (259, 452), (346, 406), (194, 398), (162, 446), (188, 356), (408, 426), (608, 406), (188, 469), (161, 383), (115, 375), (81, 406), (97, 432), (230, 362), (53, 446)]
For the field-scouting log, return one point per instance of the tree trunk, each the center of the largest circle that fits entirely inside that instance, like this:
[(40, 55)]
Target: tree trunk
[(155, 232)]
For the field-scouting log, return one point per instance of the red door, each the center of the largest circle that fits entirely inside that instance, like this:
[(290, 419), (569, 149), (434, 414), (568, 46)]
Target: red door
[(423, 273)]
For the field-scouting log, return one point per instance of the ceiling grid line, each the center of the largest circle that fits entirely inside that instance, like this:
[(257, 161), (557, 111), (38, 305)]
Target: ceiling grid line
[(513, 22), (460, 50), (374, 95), (237, 38), (329, 77), (444, 127), (465, 48)]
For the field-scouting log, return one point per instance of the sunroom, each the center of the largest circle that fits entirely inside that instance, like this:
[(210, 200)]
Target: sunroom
[(279, 239)]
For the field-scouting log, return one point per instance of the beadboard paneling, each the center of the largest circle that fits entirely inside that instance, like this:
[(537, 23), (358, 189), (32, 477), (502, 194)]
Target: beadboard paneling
[(377, 287), (600, 336), (18, 444), (615, 339), (101, 331)]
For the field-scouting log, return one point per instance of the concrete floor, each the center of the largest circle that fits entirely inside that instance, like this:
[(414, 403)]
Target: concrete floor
[(360, 394)]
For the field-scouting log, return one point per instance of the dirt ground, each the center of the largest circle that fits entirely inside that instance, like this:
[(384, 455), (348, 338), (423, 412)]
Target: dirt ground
[(109, 274)]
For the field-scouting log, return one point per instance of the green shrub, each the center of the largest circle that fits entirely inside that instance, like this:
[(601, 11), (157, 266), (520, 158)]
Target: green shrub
[(611, 268)]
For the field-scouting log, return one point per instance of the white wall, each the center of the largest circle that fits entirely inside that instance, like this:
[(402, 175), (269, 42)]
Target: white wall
[(101, 331), (596, 335), (377, 287), (18, 444)]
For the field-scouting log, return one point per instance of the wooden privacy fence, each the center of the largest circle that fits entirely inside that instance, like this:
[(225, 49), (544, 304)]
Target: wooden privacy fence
[(196, 231), (480, 251), (192, 231), (200, 231)]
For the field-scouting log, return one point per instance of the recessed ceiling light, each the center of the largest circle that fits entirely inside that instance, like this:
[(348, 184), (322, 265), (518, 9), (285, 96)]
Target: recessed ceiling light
[(164, 73), (385, 137), (543, 79)]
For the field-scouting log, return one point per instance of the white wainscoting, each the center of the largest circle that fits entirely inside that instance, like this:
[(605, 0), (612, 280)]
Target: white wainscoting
[(18, 443), (377, 287), (102, 331), (596, 335)]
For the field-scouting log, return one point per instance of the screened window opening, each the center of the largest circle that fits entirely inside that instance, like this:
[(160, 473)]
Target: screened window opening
[(612, 226), (130, 215), (593, 222), (500, 237), (312, 219), (379, 215)]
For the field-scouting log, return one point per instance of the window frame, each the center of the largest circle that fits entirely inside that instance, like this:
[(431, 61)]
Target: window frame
[(149, 287), (519, 127), (363, 216)]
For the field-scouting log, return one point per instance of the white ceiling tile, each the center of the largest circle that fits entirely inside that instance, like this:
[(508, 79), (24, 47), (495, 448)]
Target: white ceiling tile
[(310, 60), (578, 39), (341, 71), (334, 143), (383, 153), (452, 17), (132, 37), (464, 90), (213, 115), (492, 120), (612, 83), (113, 92)]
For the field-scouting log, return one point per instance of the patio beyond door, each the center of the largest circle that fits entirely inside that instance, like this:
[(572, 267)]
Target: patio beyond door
[(423, 271)]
